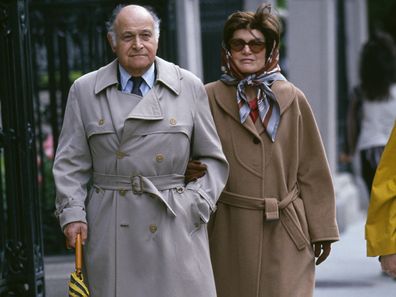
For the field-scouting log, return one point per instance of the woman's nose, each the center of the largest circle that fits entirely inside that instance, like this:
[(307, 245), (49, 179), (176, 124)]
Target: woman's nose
[(246, 49)]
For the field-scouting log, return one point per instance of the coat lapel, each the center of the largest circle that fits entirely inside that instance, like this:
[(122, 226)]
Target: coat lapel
[(149, 107), (225, 98)]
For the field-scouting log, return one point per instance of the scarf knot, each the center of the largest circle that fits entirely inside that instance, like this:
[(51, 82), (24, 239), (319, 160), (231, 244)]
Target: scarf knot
[(268, 106)]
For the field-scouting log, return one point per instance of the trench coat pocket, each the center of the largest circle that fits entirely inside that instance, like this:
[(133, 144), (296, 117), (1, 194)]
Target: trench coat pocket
[(196, 209), (202, 202), (203, 208), (200, 206), (99, 127)]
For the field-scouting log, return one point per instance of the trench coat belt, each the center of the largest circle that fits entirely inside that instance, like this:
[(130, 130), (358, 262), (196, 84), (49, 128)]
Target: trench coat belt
[(139, 184), (274, 209)]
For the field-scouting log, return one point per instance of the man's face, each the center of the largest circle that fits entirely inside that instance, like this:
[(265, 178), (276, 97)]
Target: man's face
[(135, 42)]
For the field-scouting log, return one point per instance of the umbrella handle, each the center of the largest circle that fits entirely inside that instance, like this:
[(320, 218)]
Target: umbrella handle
[(78, 254)]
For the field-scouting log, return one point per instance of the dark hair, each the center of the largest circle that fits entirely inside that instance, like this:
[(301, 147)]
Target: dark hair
[(377, 66), (262, 20)]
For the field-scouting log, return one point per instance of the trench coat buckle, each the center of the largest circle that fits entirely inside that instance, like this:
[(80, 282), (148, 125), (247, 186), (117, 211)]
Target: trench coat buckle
[(137, 184)]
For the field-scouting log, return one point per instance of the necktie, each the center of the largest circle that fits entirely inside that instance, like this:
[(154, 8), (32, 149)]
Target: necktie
[(253, 109), (136, 81)]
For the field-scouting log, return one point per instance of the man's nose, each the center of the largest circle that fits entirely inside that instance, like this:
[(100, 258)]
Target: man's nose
[(137, 44)]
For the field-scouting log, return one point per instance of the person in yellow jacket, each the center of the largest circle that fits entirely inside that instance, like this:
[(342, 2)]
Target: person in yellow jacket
[(381, 217)]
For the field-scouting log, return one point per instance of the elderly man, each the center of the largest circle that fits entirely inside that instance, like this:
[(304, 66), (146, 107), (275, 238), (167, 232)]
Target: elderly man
[(129, 131)]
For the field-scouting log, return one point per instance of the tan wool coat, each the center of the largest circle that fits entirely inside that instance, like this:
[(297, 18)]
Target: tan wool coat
[(147, 234), (278, 200)]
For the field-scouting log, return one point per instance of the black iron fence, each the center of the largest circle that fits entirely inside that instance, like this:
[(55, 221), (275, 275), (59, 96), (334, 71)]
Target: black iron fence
[(21, 252)]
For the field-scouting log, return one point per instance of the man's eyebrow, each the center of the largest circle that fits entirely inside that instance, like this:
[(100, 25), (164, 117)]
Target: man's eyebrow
[(134, 32)]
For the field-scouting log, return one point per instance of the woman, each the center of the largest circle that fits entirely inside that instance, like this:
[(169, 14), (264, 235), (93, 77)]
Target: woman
[(277, 212), (381, 216), (372, 108)]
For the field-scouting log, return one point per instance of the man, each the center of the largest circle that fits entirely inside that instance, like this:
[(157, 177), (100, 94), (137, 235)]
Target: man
[(381, 216), (145, 231)]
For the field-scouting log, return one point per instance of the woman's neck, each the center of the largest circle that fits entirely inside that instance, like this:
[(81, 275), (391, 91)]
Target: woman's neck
[(251, 92)]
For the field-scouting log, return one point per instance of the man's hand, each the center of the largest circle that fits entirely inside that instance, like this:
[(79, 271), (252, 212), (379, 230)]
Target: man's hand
[(322, 250), (388, 264), (71, 231), (195, 170)]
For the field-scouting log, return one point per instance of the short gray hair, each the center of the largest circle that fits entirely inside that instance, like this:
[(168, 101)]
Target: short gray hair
[(116, 11)]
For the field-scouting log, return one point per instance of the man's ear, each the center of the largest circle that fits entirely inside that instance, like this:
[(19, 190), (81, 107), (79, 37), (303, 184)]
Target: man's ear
[(111, 41)]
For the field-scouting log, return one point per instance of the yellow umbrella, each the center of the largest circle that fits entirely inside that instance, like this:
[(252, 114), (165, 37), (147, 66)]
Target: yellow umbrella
[(77, 287)]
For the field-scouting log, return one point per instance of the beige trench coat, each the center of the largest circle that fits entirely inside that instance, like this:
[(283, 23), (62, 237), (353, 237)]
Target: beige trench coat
[(279, 199), (146, 232)]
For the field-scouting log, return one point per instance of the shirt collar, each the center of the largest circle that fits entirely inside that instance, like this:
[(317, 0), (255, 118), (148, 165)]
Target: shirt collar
[(166, 73), (148, 76)]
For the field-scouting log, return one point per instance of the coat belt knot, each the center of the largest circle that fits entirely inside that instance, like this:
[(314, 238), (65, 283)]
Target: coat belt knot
[(274, 209)]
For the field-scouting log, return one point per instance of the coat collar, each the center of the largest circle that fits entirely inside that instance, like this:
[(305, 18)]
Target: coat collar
[(168, 74), (106, 77), (224, 95)]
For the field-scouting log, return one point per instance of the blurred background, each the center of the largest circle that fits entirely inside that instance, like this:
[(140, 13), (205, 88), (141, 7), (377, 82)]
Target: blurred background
[(46, 44)]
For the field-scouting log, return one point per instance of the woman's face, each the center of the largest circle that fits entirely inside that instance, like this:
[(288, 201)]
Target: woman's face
[(248, 50)]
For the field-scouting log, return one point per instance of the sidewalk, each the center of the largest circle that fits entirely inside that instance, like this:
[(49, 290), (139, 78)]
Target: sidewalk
[(348, 272), (57, 274)]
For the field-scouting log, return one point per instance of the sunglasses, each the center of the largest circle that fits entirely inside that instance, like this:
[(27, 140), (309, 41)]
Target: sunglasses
[(255, 45)]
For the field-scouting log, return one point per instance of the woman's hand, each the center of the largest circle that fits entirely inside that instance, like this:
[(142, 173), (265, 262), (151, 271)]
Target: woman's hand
[(322, 250), (195, 169), (388, 264)]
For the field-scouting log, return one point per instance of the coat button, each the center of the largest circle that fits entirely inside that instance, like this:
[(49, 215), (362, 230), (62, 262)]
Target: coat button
[(256, 140), (120, 155), (172, 121), (159, 157), (122, 192), (153, 228), (180, 190), (101, 122)]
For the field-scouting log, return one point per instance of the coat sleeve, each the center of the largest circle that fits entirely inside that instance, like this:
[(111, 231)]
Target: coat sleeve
[(72, 165), (314, 178), (381, 217), (206, 147)]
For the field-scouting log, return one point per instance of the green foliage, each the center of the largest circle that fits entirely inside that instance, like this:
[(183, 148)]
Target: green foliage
[(54, 241), (43, 82), (281, 3)]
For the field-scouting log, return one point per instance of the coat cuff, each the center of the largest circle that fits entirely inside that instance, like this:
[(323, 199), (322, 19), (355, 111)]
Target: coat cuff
[(71, 214)]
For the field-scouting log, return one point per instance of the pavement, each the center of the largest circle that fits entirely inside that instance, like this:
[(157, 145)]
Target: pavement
[(57, 273), (346, 273)]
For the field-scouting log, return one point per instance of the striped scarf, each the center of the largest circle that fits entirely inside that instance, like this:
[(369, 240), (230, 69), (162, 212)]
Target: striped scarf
[(268, 106)]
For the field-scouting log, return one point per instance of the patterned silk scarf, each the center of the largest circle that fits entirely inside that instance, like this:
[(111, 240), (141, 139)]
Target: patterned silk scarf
[(268, 106)]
